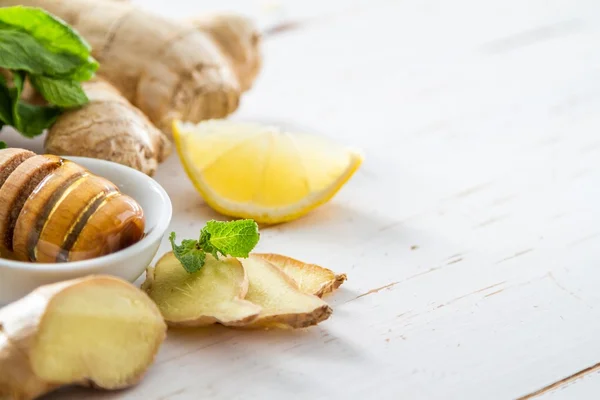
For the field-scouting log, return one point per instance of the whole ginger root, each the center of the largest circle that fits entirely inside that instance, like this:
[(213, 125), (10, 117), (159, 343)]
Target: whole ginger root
[(110, 128), (158, 68), (239, 40), (168, 69), (95, 331)]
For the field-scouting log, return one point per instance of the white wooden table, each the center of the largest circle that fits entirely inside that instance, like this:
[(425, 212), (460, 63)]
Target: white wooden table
[(471, 234)]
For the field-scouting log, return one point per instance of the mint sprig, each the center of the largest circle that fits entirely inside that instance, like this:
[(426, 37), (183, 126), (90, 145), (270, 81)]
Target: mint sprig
[(234, 238), (41, 48)]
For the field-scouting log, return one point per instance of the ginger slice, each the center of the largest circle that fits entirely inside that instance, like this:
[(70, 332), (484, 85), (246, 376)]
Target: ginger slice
[(212, 295), (310, 278), (283, 304), (95, 331)]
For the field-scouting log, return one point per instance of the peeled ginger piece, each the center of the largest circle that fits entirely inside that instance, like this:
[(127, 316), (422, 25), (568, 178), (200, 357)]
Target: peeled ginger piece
[(310, 278), (252, 293), (212, 295), (283, 304), (96, 331)]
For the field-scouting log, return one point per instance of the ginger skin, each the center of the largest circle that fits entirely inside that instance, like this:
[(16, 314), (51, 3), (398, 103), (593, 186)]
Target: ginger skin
[(168, 69), (239, 40), (163, 69), (310, 278), (110, 128)]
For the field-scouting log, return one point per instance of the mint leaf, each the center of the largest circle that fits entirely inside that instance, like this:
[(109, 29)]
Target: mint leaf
[(60, 92), (2, 145), (235, 238), (21, 51), (205, 244), (5, 103), (30, 120), (188, 253), (18, 78), (40, 43), (52, 31), (38, 118), (86, 71), (37, 45)]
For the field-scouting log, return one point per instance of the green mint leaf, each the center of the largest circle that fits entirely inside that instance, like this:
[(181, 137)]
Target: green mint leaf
[(18, 78), (60, 92), (38, 45), (6, 108), (205, 244), (86, 71), (34, 40), (35, 119), (51, 30), (234, 238), (2, 145), (21, 51), (30, 120), (189, 255)]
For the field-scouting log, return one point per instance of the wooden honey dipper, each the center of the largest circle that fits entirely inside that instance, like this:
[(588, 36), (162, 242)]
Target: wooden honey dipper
[(53, 210)]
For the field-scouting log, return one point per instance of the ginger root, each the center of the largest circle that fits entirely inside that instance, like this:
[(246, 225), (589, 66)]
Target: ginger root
[(168, 69), (310, 278), (239, 40), (212, 295), (161, 70), (96, 331), (110, 128)]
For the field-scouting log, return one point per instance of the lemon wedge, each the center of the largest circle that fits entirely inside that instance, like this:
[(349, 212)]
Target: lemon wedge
[(250, 170)]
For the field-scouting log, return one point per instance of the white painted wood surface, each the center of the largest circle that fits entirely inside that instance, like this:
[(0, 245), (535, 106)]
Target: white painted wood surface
[(471, 234)]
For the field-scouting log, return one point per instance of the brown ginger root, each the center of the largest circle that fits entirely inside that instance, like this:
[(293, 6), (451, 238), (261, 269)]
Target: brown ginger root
[(168, 69), (109, 128), (310, 278), (95, 331), (212, 295), (283, 304), (239, 40)]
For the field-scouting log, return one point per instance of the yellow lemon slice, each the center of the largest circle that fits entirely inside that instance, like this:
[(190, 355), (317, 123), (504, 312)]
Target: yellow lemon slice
[(254, 171)]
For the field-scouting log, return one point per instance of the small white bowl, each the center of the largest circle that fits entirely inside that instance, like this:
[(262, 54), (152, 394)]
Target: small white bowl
[(19, 278)]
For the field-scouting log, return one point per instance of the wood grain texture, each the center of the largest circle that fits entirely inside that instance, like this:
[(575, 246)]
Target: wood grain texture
[(471, 234)]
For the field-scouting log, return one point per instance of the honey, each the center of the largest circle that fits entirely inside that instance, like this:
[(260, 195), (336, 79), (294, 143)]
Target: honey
[(53, 210)]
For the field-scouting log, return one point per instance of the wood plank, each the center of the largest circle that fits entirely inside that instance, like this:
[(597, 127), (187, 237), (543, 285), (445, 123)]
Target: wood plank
[(470, 236), (579, 385)]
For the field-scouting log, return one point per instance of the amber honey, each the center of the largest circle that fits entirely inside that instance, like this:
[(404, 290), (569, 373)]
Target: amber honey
[(53, 210)]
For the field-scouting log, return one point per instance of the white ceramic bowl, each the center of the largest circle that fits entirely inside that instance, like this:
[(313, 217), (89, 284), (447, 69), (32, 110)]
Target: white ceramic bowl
[(19, 278)]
